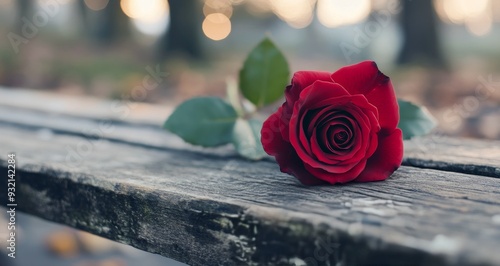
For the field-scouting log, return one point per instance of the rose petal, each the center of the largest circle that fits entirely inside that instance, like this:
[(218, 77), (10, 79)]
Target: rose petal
[(337, 156), (302, 80), (290, 163), (321, 90), (342, 137), (333, 178), (308, 96), (285, 155), (365, 78), (365, 116), (384, 98), (371, 122), (318, 90), (320, 154), (332, 163), (360, 78), (286, 116), (363, 129), (314, 116), (270, 134), (306, 178), (364, 121), (386, 159)]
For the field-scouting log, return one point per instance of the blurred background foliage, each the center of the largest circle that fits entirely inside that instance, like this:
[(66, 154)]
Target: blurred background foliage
[(436, 51)]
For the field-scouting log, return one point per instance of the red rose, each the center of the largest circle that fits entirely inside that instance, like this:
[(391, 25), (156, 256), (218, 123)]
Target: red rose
[(337, 127)]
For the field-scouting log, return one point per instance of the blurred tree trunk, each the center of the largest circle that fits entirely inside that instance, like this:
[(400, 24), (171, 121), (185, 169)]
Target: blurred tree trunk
[(421, 42), (24, 10), (104, 26), (183, 35), (84, 14)]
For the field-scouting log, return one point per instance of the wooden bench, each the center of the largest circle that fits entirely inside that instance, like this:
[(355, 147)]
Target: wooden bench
[(85, 164)]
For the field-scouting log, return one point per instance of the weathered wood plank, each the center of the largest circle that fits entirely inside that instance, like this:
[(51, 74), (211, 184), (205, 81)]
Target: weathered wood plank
[(84, 106), (470, 156), (216, 209), (437, 152)]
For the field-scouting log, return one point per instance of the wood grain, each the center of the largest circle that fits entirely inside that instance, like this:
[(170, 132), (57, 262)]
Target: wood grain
[(212, 208), (470, 156)]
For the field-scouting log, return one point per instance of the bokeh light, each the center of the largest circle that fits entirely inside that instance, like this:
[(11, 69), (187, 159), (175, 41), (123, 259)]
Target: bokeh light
[(480, 25), (495, 9), (216, 26), (218, 6), (334, 13), (476, 15), (297, 13), (381, 4), (149, 17), (96, 5), (459, 10), (145, 10)]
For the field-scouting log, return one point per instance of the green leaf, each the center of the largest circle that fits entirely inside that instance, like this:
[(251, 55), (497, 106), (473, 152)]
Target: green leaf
[(264, 75), (246, 139), (414, 120), (205, 121)]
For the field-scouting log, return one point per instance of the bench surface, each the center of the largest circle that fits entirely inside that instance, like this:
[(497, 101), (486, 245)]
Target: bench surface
[(122, 177)]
